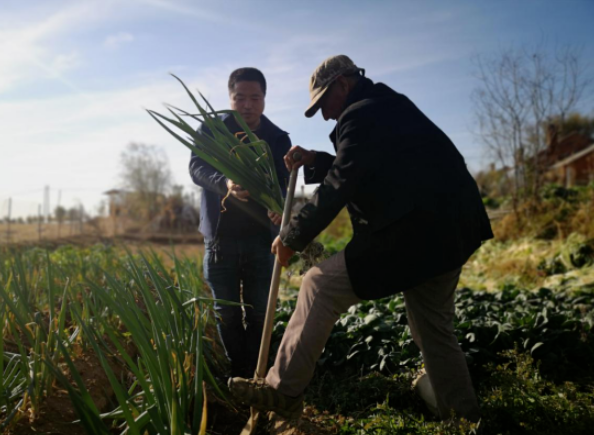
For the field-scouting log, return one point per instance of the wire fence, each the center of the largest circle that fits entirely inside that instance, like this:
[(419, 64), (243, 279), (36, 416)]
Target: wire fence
[(24, 220), (34, 216)]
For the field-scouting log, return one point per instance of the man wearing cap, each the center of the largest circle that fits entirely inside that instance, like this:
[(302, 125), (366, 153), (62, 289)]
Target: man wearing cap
[(417, 216)]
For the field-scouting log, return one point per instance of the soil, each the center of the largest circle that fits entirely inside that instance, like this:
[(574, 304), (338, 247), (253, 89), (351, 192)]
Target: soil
[(57, 413), (54, 418), (227, 421)]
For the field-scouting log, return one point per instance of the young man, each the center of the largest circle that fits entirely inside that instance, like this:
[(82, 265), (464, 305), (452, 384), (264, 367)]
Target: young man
[(237, 261), (417, 217)]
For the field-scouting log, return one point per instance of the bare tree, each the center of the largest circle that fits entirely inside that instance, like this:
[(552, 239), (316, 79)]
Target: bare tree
[(521, 91), (145, 172), (73, 214), (60, 213)]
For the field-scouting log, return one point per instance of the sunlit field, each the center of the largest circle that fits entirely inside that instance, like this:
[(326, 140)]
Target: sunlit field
[(116, 338)]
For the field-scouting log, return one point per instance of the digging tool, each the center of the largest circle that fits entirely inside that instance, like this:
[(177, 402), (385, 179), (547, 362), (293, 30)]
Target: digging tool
[(250, 426)]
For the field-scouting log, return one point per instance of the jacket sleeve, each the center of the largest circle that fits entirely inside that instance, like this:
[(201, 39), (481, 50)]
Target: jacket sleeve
[(204, 175), (353, 161), (315, 174)]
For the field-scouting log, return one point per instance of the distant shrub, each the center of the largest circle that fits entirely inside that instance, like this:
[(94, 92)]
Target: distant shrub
[(492, 203), (559, 212), (556, 192)]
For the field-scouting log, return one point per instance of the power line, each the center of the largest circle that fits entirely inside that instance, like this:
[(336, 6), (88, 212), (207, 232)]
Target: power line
[(26, 192), (84, 189), (68, 189)]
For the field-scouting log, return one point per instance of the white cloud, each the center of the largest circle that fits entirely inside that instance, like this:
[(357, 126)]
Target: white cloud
[(29, 51), (64, 62), (74, 139), (116, 40), (77, 139), (192, 11)]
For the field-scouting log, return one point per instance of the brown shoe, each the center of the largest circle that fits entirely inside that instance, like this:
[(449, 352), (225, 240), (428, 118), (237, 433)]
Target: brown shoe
[(260, 395)]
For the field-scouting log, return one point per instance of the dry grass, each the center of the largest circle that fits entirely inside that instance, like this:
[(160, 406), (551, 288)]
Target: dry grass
[(538, 232), (192, 251), (556, 218), (340, 226), (500, 263), (23, 233)]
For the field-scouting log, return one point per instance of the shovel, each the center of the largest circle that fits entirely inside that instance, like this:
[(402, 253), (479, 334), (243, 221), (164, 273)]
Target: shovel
[(250, 426)]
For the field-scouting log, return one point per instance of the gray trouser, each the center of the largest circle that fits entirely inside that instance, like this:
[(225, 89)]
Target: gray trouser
[(326, 293)]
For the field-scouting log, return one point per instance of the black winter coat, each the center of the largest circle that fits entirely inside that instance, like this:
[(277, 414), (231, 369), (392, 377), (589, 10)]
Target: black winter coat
[(415, 209)]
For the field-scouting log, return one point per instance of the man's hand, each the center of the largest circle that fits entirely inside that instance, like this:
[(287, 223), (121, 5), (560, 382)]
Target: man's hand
[(275, 217), (237, 191), (307, 158), (284, 253)]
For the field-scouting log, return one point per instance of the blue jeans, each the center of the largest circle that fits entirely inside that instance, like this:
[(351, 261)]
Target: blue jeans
[(236, 267)]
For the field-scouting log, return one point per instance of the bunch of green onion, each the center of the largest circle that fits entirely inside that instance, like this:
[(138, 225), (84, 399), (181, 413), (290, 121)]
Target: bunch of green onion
[(247, 164)]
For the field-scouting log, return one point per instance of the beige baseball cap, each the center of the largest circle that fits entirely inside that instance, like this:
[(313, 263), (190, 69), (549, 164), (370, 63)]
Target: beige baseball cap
[(324, 75)]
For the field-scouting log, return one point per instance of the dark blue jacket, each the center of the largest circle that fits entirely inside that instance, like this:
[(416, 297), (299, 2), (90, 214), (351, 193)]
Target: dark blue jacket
[(214, 183)]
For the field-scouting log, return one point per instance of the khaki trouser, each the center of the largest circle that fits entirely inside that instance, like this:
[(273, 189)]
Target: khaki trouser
[(326, 293)]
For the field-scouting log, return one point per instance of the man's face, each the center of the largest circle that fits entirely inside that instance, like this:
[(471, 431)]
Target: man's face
[(248, 99), (333, 101)]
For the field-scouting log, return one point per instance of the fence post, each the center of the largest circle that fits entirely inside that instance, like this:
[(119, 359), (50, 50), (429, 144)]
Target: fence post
[(39, 221), (61, 216), (80, 216), (114, 217)]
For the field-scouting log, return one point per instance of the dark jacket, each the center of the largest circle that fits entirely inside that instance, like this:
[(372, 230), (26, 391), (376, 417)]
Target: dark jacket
[(214, 183), (415, 209)]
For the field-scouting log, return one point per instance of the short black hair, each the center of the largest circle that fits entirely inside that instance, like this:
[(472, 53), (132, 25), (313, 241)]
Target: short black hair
[(247, 74)]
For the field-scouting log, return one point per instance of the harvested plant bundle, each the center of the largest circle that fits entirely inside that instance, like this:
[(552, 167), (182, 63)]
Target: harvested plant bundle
[(247, 164)]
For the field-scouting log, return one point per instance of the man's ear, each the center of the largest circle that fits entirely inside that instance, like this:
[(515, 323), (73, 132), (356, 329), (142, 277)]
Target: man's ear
[(343, 83)]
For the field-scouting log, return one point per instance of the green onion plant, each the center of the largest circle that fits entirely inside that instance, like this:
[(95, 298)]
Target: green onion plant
[(247, 164)]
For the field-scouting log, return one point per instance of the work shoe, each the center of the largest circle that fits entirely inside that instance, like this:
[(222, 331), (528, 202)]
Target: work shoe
[(260, 395), (422, 386), (281, 425)]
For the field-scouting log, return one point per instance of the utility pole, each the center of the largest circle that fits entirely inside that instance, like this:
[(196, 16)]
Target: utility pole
[(46, 203), (113, 209), (8, 221)]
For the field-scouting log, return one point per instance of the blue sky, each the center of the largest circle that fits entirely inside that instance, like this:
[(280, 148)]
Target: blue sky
[(76, 75)]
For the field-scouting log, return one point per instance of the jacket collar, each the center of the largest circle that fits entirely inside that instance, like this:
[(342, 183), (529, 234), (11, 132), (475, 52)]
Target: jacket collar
[(267, 127), (362, 90)]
